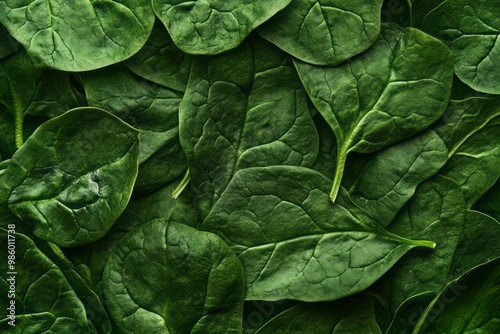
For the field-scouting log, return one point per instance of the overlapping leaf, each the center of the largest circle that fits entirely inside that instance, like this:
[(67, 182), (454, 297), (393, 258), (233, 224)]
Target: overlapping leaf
[(325, 32), (366, 102)]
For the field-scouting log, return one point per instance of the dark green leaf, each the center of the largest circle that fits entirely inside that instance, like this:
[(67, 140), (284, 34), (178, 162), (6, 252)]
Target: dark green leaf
[(366, 102), (388, 178), (161, 61), (73, 177), (325, 32), (294, 243), (472, 30), (44, 300), (147, 293), (8, 45), (489, 203), (471, 131), (242, 109), (213, 26), (79, 35)]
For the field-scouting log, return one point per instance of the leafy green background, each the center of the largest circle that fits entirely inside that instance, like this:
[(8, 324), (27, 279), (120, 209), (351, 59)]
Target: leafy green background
[(209, 166)]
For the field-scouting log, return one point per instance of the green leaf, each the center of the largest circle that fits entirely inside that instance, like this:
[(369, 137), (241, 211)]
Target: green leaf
[(489, 203), (152, 109), (470, 304), (354, 315), (388, 178), (294, 243), (166, 277), (327, 153), (242, 109), (472, 30), (8, 45), (213, 26), (80, 35), (325, 32), (44, 300), (365, 100), (27, 91), (471, 130), (160, 61), (73, 177), (465, 240)]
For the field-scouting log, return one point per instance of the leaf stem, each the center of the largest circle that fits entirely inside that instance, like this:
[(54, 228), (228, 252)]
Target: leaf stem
[(339, 173), (19, 129), (182, 185)]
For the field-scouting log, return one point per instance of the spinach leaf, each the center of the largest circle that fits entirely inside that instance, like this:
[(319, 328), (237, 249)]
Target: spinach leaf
[(162, 301), (471, 130), (387, 179), (27, 91), (473, 306), (213, 26), (294, 243), (355, 315), (80, 35), (489, 203), (152, 109), (465, 240), (73, 177), (241, 109), (471, 28), (8, 45), (160, 61), (327, 151), (44, 300), (365, 100), (325, 32)]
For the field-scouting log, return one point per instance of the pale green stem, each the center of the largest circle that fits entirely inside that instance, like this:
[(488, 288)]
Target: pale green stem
[(19, 129), (182, 185), (339, 173)]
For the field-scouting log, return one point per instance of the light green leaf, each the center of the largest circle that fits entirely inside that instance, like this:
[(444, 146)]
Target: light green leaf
[(213, 26), (44, 300), (74, 176), (80, 35), (160, 61), (472, 30), (366, 102), (325, 32), (152, 109), (242, 109), (294, 243), (166, 277)]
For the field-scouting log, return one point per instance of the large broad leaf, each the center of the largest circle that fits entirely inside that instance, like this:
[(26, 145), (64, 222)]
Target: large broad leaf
[(471, 131), (161, 61), (242, 109), (152, 109), (213, 26), (470, 304), (355, 315), (294, 243), (325, 32), (166, 277), (44, 300), (27, 91), (387, 179), (366, 102), (472, 30), (74, 176), (79, 35)]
